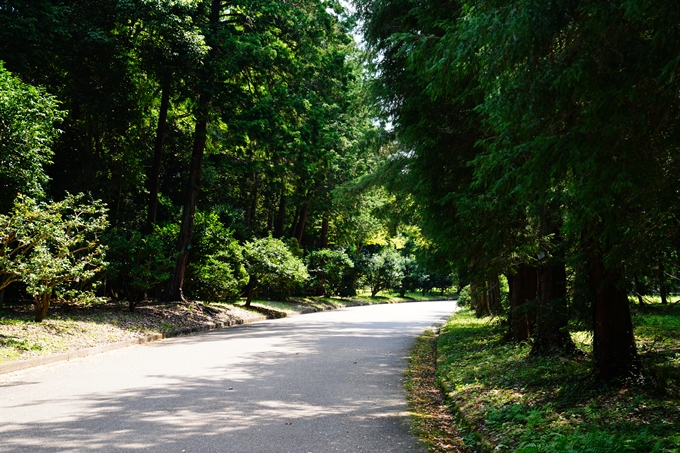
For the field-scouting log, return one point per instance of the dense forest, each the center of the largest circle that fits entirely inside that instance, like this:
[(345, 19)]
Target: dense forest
[(218, 149), (538, 141)]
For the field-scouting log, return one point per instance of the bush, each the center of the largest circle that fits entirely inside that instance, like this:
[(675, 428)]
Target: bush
[(464, 296), (383, 270), (270, 263), (54, 248), (140, 263), (216, 271), (327, 269), (413, 276)]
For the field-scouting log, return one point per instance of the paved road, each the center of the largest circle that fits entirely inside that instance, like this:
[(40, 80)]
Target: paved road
[(323, 382)]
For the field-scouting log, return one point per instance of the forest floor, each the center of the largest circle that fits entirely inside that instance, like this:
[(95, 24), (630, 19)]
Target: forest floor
[(69, 328), (504, 400)]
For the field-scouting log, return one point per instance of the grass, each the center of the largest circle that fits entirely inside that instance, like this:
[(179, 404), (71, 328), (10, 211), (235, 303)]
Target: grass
[(68, 328), (524, 404), (431, 418)]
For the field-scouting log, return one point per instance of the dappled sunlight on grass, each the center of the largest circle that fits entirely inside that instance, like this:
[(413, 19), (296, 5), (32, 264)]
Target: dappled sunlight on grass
[(516, 399)]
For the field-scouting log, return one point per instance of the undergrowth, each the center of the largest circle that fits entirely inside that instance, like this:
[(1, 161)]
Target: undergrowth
[(527, 404)]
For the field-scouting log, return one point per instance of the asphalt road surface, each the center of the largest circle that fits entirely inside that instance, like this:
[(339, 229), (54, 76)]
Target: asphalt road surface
[(323, 382)]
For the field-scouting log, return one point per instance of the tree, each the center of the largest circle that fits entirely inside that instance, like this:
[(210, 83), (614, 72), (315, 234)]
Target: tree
[(575, 124), (28, 117), (383, 270), (52, 246)]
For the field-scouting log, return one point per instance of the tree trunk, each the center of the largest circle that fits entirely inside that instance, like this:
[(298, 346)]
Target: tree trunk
[(303, 219), (662, 284), (250, 290), (523, 288), (495, 306), (155, 171), (281, 216), (294, 225), (482, 308), (614, 350), (173, 291), (324, 230), (252, 218), (42, 304), (474, 299), (639, 291), (551, 334)]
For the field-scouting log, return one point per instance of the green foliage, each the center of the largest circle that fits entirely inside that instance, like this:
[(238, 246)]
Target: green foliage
[(383, 270), (53, 247), (217, 272), (464, 296), (27, 130), (220, 276), (270, 263), (139, 263), (327, 270)]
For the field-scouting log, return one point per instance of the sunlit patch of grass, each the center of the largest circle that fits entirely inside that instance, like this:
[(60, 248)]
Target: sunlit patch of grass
[(552, 404), (583, 340)]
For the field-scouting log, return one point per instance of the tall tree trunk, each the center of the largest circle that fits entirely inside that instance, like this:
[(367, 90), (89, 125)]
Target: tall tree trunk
[(495, 306), (663, 292), (474, 296), (614, 350), (280, 216), (324, 230), (155, 171), (294, 225), (551, 334), (300, 230), (523, 289), (482, 308), (173, 289)]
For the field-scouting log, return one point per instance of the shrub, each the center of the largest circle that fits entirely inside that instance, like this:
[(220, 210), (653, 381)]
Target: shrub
[(27, 118), (216, 271), (270, 263), (384, 270), (327, 269), (464, 296), (140, 263), (54, 248)]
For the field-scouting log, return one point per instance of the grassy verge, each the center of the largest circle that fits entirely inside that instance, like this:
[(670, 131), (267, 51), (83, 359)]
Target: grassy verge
[(431, 418), (68, 328), (546, 405)]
